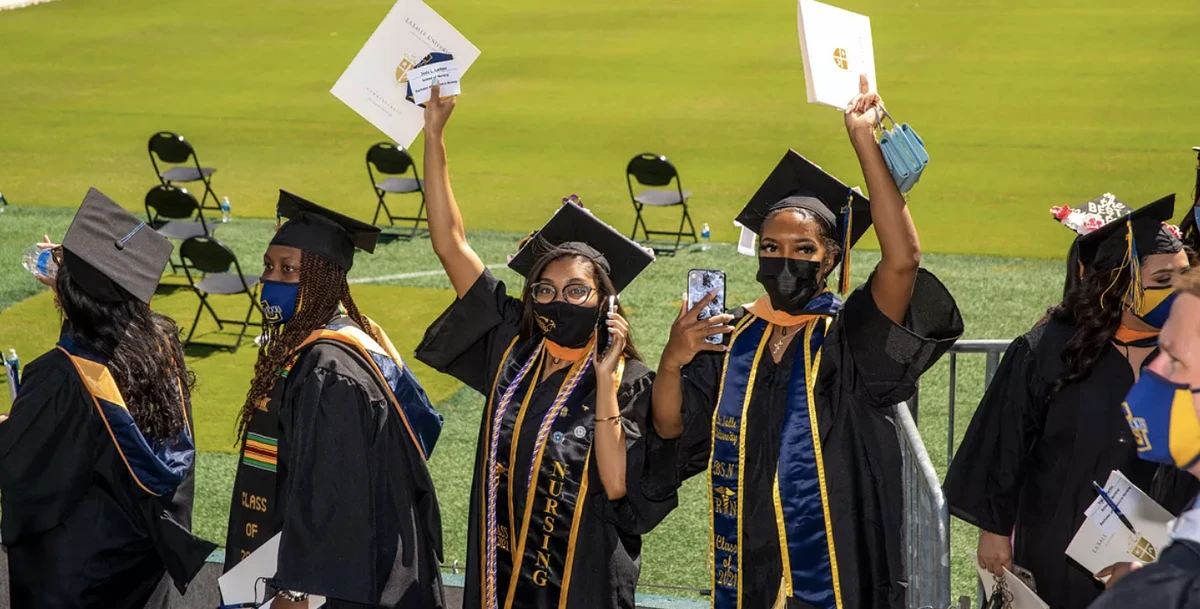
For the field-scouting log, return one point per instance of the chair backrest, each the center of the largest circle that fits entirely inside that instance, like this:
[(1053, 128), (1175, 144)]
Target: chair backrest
[(171, 202), (170, 147), (207, 255), (651, 169), (389, 159)]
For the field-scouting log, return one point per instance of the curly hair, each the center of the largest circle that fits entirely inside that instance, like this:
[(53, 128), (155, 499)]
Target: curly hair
[(1093, 306), (323, 286), (529, 327), (145, 356)]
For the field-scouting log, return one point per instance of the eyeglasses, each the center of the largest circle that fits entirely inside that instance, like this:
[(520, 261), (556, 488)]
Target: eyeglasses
[(576, 293)]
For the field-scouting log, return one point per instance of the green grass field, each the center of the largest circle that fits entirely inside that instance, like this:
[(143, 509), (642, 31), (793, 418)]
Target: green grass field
[(1023, 105)]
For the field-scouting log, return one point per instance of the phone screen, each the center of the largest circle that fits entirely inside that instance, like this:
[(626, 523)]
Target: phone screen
[(702, 283)]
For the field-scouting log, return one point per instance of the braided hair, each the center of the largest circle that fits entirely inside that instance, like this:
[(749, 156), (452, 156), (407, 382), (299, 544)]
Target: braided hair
[(323, 286), (145, 356)]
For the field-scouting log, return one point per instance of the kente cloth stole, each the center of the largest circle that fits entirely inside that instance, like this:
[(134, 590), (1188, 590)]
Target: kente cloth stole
[(158, 467), (800, 495), (252, 515), (527, 557)]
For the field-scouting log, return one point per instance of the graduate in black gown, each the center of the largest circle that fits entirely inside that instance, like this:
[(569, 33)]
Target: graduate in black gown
[(791, 417), (557, 502), (97, 455), (336, 431), (1051, 421)]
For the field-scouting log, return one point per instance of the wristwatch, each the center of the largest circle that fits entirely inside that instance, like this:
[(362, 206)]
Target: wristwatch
[(294, 597)]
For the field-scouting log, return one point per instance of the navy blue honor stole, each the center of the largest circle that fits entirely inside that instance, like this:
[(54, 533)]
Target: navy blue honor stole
[(801, 501), (527, 554), (158, 467)]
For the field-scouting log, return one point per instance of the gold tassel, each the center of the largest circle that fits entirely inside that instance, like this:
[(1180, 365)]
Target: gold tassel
[(847, 236)]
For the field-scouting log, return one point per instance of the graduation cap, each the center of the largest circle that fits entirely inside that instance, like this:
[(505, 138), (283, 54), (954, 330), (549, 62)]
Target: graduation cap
[(800, 183), (112, 255), (324, 232), (574, 229), (1112, 235)]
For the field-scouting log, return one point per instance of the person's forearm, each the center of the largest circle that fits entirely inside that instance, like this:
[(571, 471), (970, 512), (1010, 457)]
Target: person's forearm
[(446, 232), (900, 249), (667, 407), (609, 443)]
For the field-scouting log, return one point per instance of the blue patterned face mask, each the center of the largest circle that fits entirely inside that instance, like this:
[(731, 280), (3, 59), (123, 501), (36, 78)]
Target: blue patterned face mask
[(1156, 306), (278, 301), (1162, 416)]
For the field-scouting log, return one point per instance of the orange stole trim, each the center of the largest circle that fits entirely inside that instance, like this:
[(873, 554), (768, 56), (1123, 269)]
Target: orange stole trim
[(565, 354), (99, 380), (1127, 335), (762, 308)]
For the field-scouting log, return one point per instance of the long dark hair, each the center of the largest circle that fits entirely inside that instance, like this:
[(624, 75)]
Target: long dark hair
[(144, 355), (529, 327), (1093, 306), (322, 287)]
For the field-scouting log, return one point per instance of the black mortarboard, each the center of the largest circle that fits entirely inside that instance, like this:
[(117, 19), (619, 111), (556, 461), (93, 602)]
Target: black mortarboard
[(111, 254), (574, 229), (324, 232), (1114, 238), (798, 182)]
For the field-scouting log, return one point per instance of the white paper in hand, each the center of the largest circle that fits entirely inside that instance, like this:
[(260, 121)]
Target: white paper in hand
[(1023, 597), (376, 82), (1103, 540), (836, 47), (444, 74), (242, 583)]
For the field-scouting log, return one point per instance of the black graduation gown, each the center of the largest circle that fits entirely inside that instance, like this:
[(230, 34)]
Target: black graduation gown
[(79, 531), (355, 503), (1173, 582), (869, 364), (1029, 466), (469, 341)]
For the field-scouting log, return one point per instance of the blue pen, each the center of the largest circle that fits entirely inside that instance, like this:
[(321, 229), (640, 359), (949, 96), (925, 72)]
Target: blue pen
[(1113, 505)]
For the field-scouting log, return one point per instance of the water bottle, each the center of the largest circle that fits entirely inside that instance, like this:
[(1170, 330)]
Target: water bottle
[(12, 368), (226, 209), (705, 234), (40, 261)]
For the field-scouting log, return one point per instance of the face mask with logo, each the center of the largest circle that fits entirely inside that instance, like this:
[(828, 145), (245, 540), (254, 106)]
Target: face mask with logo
[(566, 324), (789, 283), (278, 300), (1162, 416), (1156, 306)]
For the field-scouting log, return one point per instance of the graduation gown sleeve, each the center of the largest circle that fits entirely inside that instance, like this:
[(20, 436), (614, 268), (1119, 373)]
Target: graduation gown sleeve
[(649, 494), (983, 485), (470, 337), (888, 358), (46, 449)]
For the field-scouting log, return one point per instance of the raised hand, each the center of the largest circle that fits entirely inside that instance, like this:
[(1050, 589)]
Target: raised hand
[(689, 331), (865, 111), (437, 111)]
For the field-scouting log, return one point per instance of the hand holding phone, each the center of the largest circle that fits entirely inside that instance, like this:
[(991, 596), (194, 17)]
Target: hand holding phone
[(702, 283), (603, 335)]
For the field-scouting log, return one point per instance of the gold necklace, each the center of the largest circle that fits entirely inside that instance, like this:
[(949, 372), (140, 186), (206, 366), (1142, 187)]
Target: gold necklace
[(777, 345)]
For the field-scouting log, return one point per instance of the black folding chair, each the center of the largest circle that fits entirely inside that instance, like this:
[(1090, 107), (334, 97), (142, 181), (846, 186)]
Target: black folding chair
[(172, 148), (388, 159), (212, 261), (651, 169), (175, 214)]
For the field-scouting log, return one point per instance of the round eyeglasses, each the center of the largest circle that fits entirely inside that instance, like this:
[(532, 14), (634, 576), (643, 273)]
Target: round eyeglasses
[(545, 292)]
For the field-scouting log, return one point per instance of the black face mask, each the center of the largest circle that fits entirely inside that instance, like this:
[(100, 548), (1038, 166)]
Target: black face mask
[(790, 283), (565, 324)]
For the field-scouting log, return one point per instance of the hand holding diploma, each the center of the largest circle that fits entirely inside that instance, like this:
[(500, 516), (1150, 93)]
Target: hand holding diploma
[(865, 111), (437, 112)]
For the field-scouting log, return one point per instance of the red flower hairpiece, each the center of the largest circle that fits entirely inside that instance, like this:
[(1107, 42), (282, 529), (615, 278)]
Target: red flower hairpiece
[(1060, 212), (1174, 230), (1092, 224)]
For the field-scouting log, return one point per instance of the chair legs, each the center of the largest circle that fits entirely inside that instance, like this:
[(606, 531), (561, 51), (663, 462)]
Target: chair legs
[(244, 323), (679, 234), (387, 212), (204, 303), (638, 221), (195, 321)]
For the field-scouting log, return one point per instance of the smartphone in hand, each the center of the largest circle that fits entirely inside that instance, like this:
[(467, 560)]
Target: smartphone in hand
[(701, 283), (602, 335)]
